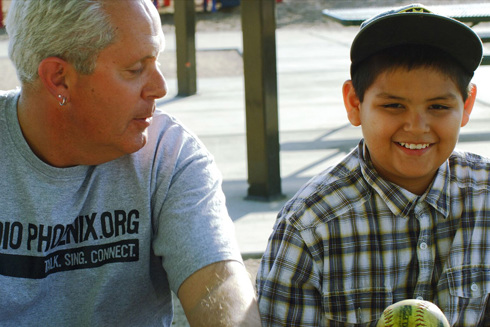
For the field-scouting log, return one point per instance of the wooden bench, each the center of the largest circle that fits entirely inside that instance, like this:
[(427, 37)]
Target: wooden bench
[(471, 13), (484, 36)]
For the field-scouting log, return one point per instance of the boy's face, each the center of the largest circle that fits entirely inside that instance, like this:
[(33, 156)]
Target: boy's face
[(410, 122)]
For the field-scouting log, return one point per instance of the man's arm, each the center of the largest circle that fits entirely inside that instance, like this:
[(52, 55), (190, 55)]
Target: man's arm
[(220, 294)]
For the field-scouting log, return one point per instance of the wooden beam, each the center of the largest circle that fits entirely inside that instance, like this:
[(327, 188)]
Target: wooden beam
[(259, 60), (1, 15), (185, 36)]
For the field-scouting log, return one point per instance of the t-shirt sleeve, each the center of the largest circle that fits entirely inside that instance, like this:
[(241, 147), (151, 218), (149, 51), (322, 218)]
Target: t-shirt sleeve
[(191, 222)]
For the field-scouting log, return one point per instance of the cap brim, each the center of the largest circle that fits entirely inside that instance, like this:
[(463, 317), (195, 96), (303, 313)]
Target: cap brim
[(445, 33)]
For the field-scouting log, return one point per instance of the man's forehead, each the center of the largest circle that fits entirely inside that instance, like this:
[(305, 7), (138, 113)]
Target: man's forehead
[(131, 12), (135, 17)]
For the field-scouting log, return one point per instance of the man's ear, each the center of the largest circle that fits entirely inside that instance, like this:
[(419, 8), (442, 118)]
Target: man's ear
[(351, 103), (52, 73), (468, 105)]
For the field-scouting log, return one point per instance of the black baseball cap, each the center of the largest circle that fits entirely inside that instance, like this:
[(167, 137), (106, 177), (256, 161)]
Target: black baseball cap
[(416, 25)]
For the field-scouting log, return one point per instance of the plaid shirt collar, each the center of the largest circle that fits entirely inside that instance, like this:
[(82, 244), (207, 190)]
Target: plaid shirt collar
[(400, 201)]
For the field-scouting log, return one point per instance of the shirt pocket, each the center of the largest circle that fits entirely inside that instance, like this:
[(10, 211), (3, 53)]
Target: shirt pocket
[(358, 306), (468, 288), (469, 282)]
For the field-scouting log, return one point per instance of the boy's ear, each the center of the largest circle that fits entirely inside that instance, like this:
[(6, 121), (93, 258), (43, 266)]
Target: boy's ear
[(468, 105), (52, 72), (351, 103)]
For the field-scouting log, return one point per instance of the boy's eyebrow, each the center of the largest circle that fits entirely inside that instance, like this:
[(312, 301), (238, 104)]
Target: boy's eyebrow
[(447, 96), (389, 96)]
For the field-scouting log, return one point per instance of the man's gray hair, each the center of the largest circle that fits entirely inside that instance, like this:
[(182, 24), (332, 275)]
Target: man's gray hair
[(73, 30)]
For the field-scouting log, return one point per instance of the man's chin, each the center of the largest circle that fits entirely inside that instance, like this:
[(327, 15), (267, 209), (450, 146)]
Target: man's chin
[(138, 143)]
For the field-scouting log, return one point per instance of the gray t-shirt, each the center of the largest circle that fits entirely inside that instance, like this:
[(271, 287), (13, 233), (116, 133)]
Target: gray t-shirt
[(104, 245)]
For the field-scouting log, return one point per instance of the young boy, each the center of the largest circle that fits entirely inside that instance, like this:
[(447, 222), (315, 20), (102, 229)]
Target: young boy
[(403, 215)]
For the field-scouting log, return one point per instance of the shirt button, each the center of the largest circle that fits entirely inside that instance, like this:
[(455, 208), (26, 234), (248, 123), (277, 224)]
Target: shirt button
[(423, 245), (420, 298), (474, 287)]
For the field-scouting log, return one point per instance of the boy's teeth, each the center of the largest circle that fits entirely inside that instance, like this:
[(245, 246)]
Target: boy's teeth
[(414, 146)]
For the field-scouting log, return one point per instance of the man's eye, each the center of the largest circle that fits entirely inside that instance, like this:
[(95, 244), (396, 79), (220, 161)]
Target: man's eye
[(136, 70)]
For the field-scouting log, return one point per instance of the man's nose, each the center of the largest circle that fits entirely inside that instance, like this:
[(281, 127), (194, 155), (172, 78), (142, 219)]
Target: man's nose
[(156, 87)]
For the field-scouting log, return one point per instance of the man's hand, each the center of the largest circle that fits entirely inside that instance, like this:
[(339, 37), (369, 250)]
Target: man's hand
[(220, 294)]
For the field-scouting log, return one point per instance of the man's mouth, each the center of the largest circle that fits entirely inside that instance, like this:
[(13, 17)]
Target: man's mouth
[(144, 118), (413, 146), (147, 116)]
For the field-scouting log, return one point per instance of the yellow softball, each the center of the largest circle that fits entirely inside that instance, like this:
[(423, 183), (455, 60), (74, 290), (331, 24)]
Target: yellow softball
[(416, 313)]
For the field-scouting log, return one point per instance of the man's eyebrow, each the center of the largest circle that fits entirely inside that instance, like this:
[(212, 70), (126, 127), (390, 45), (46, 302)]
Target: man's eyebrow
[(148, 57), (141, 60)]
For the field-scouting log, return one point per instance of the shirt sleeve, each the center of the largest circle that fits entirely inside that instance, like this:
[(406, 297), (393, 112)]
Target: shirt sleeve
[(192, 225), (288, 281)]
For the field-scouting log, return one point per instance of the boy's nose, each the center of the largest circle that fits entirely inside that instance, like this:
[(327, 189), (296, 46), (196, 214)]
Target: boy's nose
[(417, 123)]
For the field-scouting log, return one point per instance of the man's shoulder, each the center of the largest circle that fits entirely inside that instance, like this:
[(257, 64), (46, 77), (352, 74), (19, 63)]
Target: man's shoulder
[(9, 93), (328, 195), (169, 132), (5, 95), (166, 124), (171, 143), (8, 103)]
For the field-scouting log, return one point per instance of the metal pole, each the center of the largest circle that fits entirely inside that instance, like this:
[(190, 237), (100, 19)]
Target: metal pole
[(259, 60), (185, 30)]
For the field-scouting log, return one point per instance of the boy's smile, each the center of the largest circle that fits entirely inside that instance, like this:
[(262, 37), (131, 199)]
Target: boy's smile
[(410, 121)]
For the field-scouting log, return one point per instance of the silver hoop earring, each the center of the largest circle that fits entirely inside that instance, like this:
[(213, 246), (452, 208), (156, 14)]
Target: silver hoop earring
[(62, 101)]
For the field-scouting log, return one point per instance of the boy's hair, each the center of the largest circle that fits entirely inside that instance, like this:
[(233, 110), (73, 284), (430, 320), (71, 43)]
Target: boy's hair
[(409, 57)]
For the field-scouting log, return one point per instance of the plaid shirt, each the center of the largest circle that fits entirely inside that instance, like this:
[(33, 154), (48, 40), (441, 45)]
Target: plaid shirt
[(350, 243)]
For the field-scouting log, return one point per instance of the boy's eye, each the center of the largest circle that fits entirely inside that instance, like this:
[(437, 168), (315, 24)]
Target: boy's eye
[(393, 105), (438, 107)]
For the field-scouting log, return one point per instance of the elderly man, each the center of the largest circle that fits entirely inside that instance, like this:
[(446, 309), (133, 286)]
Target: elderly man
[(107, 204)]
